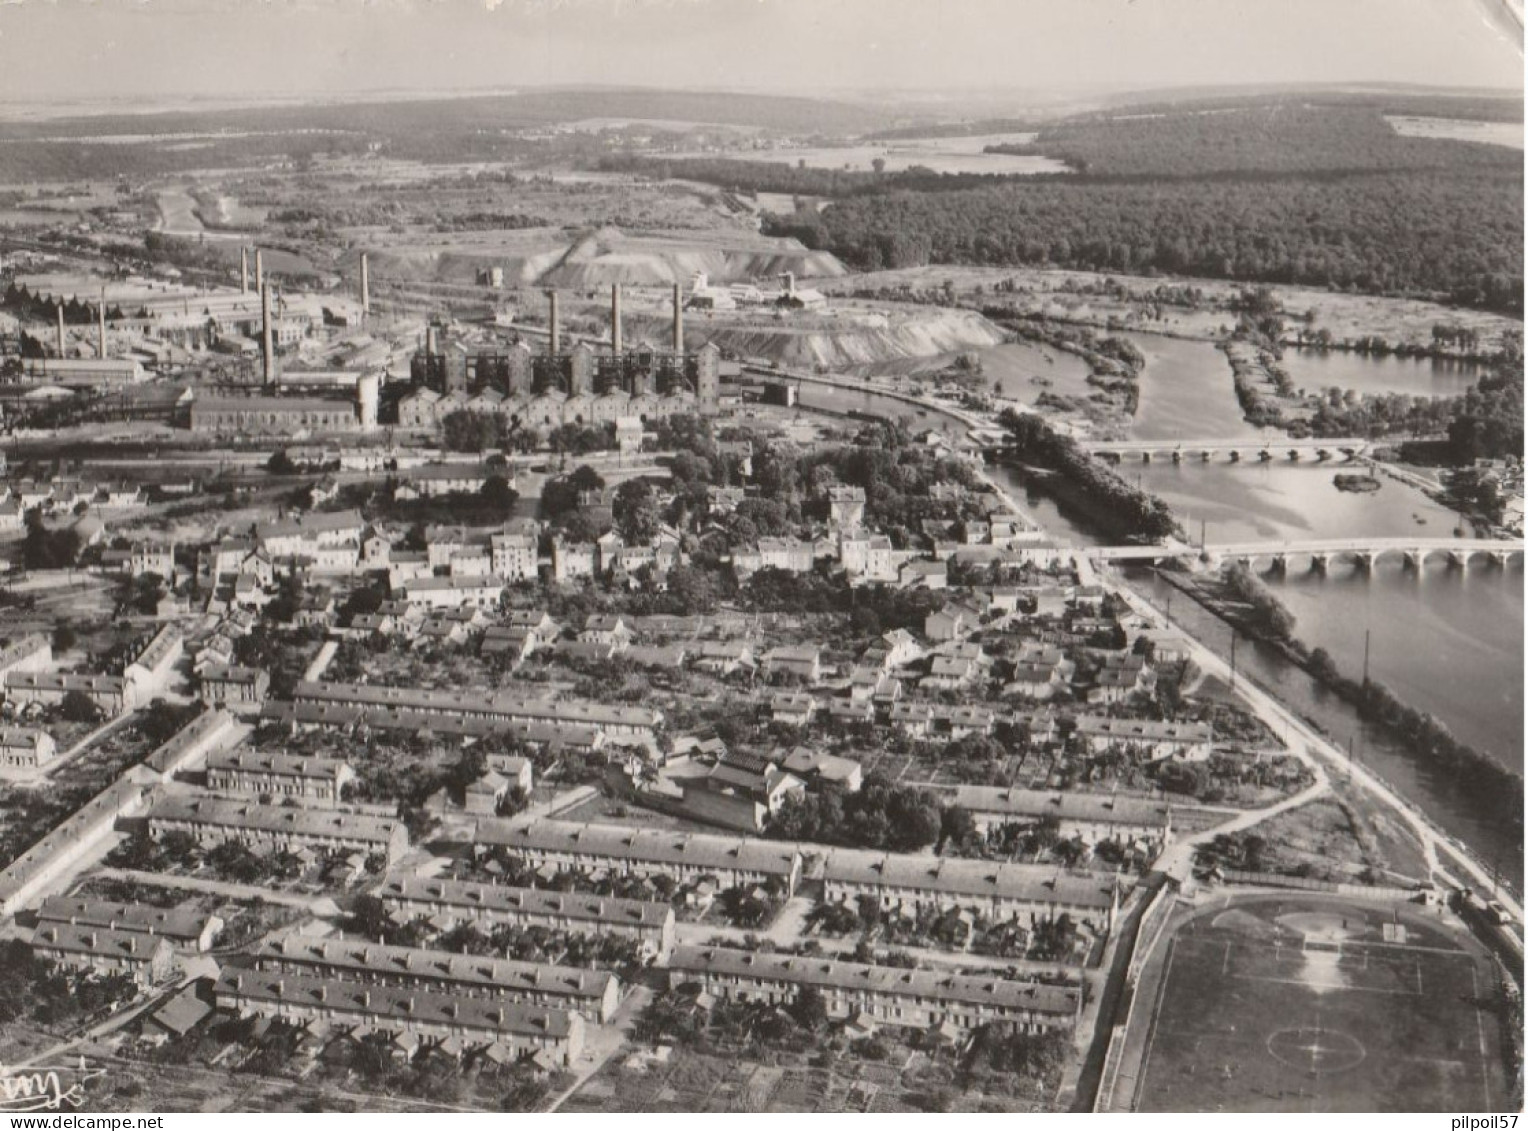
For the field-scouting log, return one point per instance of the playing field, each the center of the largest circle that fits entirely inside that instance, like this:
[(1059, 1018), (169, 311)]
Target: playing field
[(1307, 1005)]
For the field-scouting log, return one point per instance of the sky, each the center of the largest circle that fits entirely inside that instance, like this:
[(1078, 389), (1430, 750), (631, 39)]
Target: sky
[(127, 50)]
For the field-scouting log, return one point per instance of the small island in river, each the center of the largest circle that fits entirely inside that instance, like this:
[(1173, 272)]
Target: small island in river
[(1359, 484)]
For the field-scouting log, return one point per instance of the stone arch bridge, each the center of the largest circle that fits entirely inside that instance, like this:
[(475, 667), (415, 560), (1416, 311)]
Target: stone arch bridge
[(1321, 552)]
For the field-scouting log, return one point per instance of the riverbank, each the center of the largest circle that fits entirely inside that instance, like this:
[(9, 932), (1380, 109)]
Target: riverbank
[(1415, 782), (1497, 790), (1114, 370), (1087, 483)]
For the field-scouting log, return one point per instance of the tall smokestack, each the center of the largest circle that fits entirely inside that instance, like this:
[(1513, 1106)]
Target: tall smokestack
[(678, 320), (615, 319), (554, 341), (244, 270), (60, 329), (365, 286), (259, 271), (267, 332), (101, 326)]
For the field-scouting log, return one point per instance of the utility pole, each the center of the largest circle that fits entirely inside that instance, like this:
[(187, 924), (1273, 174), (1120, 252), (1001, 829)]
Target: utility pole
[(1366, 659), (1233, 659)]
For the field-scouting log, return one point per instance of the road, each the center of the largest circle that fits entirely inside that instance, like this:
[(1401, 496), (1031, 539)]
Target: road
[(1320, 752), (320, 905), (601, 1042), (79, 747)]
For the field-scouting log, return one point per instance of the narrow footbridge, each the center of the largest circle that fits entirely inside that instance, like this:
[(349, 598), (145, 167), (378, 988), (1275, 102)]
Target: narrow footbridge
[(1203, 451), (1321, 552)]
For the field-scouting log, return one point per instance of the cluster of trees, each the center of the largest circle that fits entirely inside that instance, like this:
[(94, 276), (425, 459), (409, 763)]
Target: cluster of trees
[(1444, 232), (467, 431), (1272, 137), (1266, 614), (1086, 482), (35, 990), (872, 609), (880, 814), (1345, 412), (562, 502), (42, 548), (1497, 790), (1474, 490), (1488, 420)]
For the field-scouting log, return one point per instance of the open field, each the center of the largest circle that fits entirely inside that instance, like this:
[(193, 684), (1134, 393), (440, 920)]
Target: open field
[(1318, 1005), (1121, 301), (959, 154), (1460, 129)]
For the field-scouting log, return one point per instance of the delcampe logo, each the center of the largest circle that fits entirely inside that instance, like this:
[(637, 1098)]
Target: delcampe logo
[(45, 1087)]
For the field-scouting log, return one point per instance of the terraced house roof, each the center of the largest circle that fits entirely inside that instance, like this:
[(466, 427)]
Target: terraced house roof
[(654, 846), (279, 765), (140, 918), (974, 879), (411, 1006), (830, 974), (365, 959), (526, 901), (279, 819)]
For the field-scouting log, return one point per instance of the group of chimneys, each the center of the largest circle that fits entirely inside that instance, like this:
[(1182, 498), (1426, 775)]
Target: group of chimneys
[(554, 323), (267, 337), (100, 327)]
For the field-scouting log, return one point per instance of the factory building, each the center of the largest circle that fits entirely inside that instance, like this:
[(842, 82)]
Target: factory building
[(574, 386)]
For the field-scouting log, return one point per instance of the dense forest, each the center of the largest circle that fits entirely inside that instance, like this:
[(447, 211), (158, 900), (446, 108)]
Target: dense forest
[(1253, 141), (1286, 191), (1488, 419), (1454, 234)]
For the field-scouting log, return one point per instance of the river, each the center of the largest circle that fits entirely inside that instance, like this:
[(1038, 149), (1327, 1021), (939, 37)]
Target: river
[(1185, 392), (1451, 643), (1446, 642), (1315, 369)]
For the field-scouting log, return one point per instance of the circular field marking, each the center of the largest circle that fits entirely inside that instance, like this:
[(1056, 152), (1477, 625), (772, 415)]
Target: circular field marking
[(1318, 1051), (1324, 925)]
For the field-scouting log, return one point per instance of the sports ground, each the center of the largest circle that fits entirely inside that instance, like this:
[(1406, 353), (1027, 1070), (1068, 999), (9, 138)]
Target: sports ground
[(1306, 1004)]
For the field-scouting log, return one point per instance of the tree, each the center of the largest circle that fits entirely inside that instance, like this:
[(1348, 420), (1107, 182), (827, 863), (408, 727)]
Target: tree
[(956, 824), (810, 1009), (498, 494), (467, 431), (280, 463), (42, 548), (77, 707), (635, 511), (64, 637), (560, 494)]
